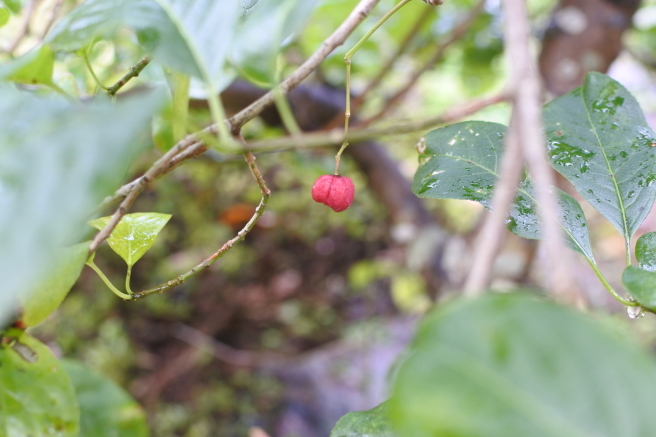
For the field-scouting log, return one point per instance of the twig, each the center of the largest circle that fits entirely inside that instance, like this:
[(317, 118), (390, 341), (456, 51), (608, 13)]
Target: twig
[(134, 72), (493, 233), (525, 77), (319, 139), (454, 36), (250, 159), (24, 29)]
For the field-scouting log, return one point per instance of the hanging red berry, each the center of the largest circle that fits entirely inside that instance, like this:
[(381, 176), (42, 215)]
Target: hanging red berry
[(334, 191)]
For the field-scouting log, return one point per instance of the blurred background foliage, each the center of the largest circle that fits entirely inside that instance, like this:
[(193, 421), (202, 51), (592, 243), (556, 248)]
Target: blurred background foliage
[(245, 343)]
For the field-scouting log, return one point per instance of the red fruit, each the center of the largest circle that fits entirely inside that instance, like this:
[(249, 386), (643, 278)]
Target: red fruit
[(336, 192)]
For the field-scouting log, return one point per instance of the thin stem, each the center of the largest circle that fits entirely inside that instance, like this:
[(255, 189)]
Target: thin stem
[(218, 115), (609, 288), (90, 68), (266, 193), (108, 282), (347, 60), (127, 280), (347, 117), (135, 70), (286, 114)]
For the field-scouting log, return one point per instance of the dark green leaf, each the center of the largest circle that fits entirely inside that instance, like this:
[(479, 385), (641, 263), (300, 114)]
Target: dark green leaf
[(255, 56), (641, 284), (646, 251), (461, 161), (512, 365), (599, 140), (37, 398), (58, 160), (52, 290), (106, 410), (371, 423), (102, 18), (31, 68), (134, 234)]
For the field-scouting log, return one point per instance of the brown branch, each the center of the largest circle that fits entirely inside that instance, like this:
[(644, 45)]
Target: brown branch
[(313, 140), (250, 159), (493, 233)]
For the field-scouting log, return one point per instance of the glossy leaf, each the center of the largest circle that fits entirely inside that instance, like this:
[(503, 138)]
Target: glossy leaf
[(641, 284), (599, 140), (32, 68), (4, 16), (37, 398), (370, 423), (645, 251), (461, 161), (102, 18), (207, 28), (58, 160), (134, 234), (50, 293), (255, 56), (513, 365), (105, 409)]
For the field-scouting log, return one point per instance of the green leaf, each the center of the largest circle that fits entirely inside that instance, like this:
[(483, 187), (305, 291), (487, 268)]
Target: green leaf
[(32, 68), (599, 140), (370, 423), (58, 160), (256, 56), (641, 284), (134, 234), (513, 365), (37, 398), (461, 161), (52, 290), (207, 28), (14, 6), (103, 18), (4, 16), (646, 251), (106, 410)]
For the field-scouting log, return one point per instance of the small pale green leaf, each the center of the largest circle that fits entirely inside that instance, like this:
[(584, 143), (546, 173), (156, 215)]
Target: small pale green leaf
[(4, 16), (370, 423), (514, 365), (645, 251), (103, 18), (58, 160), (105, 408), (134, 234), (641, 284), (600, 141), (37, 398), (35, 67), (50, 293), (461, 161)]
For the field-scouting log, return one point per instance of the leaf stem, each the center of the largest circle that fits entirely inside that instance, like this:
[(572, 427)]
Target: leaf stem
[(127, 280), (85, 55), (218, 117), (107, 282), (609, 288)]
